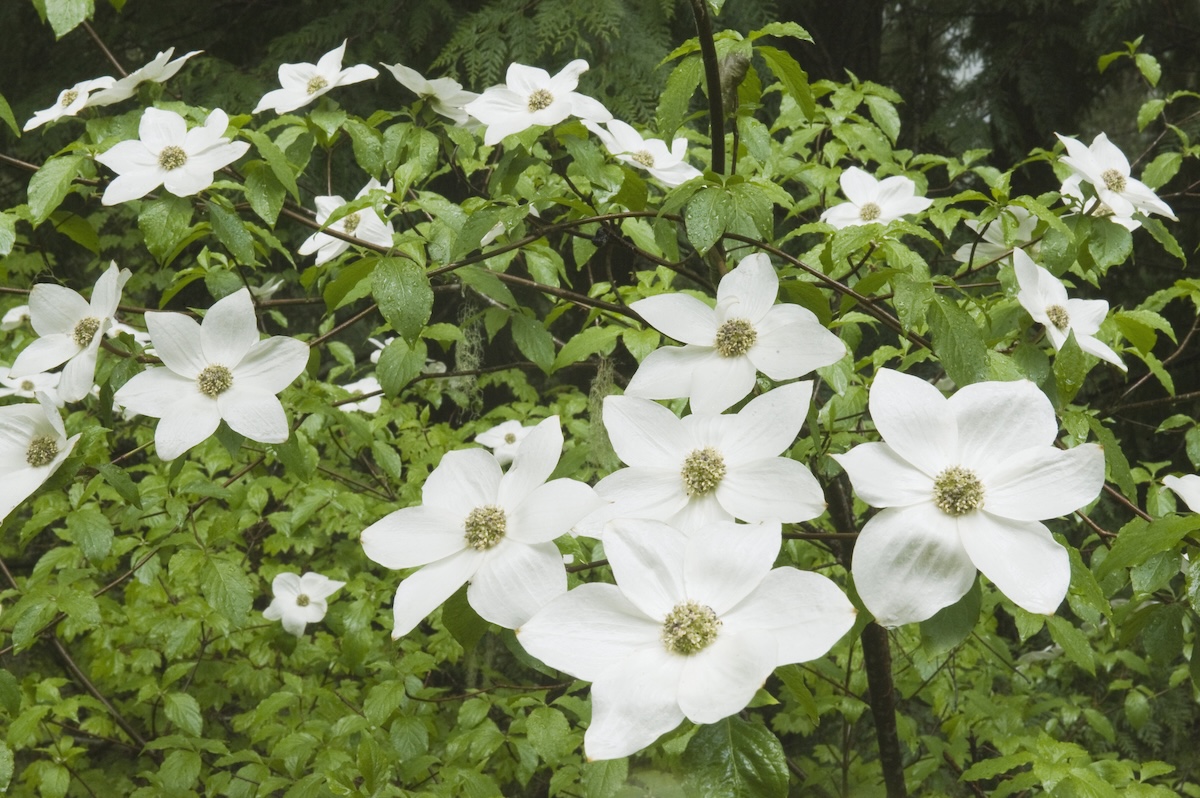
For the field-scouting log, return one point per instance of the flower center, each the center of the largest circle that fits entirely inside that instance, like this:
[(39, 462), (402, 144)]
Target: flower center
[(302, 600), (42, 451), (350, 224), (69, 96), (1058, 316), (510, 438), (315, 84), (735, 337), (1114, 180), (690, 628), (540, 99), (85, 330), (27, 385), (869, 212), (172, 157), (957, 491), (644, 158), (214, 381), (485, 526), (702, 471)]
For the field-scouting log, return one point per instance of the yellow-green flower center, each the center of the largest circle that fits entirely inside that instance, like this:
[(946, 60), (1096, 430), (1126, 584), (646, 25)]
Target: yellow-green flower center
[(644, 158), (302, 600), (214, 381), (172, 157), (315, 84), (957, 491), (869, 212), (690, 628), (485, 526), (27, 385), (540, 99), (85, 330), (1058, 316), (42, 451), (702, 471), (735, 337), (69, 96), (350, 224), (1114, 180), (510, 438)]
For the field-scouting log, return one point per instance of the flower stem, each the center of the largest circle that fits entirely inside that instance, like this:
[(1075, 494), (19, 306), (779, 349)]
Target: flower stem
[(878, 659), (712, 79)]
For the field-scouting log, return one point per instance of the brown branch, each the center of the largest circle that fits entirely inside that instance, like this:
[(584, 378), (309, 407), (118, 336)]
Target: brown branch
[(86, 683)]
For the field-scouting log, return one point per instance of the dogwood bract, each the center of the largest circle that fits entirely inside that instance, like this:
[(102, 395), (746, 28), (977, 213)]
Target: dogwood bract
[(725, 345), (367, 385), (494, 529), (504, 440), (871, 201), (703, 467), (993, 245), (693, 627), (161, 69), (1187, 488), (33, 444), (964, 483), (70, 330), (1107, 169), (302, 83), (70, 102), (167, 154), (214, 371), (29, 386), (445, 95), (300, 600), (626, 144), (531, 97), (1045, 297), (364, 225)]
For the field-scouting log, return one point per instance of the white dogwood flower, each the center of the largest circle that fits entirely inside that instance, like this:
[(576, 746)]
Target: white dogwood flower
[(70, 102), (445, 95), (504, 439), (14, 317), (300, 600), (365, 225), (29, 386), (531, 97), (871, 201), (692, 628), (1107, 169), (1045, 297), (1187, 488), (367, 385), (701, 468), (167, 154), (625, 144), (33, 444), (725, 345), (965, 483), (302, 83), (993, 245), (481, 525), (160, 70), (70, 329), (214, 371)]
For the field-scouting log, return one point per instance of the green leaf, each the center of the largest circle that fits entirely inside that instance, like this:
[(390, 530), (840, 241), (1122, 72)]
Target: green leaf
[(164, 223), (91, 531), (8, 233), (990, 768), (604, 779), (1164, 237), (368, 146), (952, 625), (1160, 171), (275, 158), (399, 364), (179, 771), (794, 79), (1149, 67), (184, 712), (1074, 643), (587, 343), (1149, 112), (677, 96), (533, 340), (1163, 633), (405, 298), (957, 341), (50, 186), (734, 758), (781, 29), (1114, 458), (1110, 244), (232, 233), (10, 693), (6, 766), (549, 734), (707, 216), (78, 229), (66, 15), (885, 115), (1070, 367), (1138, 540), (264, 192), (227, 587), (6, 116)]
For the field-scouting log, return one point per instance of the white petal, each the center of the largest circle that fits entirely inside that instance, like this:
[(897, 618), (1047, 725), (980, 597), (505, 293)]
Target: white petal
[(107, 293), (818, 615), (550, 510), (56, 309), (644, 433), (273, 364), (286, 585), (79, 374), (721, 679), (176, 339), (654, 493), (858, 186), (647, 559), (724, 562), (43, 354), (634, 704), (158, 129), (1045, 482), (998, 419), (424, 591), (1021, 559), (154, 392), (791, 343), (414, 536), (516, 580), (882, 478), (773, 488), (229, 329), (913, 419), (909, 563), (464, 479), (131, 186), (1187, 488), (749, 290), (187, 421), (535, 461), (318, 586), (767, 425), (668, 372), (256, 414), (681, 316), (724, 381)]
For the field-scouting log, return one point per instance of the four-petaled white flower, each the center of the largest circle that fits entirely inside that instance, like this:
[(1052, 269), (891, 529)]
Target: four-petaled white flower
[(29, 386), (161, 69), (445, 95), (1106, 168), (33, 444), (993, 245), (70, 102), (871, 201), (965, 483), (725, 345), (1187, 488), (367, 385), (300, 600), (365, 225), (703, 467), (1045, 297), (492, 528), (71, 329), (302, 83), (531, 97), (692, 628), (627, 145), (167, 154), (214, 371), (504, 440)]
